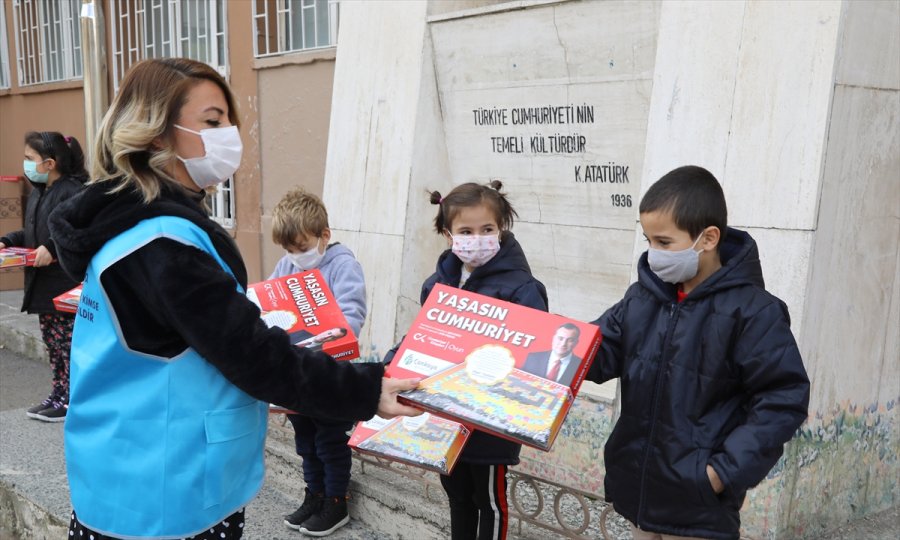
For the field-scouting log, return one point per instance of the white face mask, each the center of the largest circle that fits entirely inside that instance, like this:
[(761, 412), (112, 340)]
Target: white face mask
[(307, 260), (475, 250), (675, 266), (223, 156)]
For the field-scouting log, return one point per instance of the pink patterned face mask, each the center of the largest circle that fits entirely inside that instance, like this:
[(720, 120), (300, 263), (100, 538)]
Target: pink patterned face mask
[(475, 250)]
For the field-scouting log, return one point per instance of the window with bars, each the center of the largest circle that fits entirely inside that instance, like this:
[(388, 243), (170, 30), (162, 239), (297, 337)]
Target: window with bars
[(48, 40), (193, 29), (4, 50), (281, 26), (167, 28)]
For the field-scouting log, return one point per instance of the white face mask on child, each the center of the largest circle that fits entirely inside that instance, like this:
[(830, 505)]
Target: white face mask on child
[(306, 260), (475, 250)]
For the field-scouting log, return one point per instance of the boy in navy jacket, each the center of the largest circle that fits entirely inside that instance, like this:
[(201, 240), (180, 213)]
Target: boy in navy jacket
[(712, 381)]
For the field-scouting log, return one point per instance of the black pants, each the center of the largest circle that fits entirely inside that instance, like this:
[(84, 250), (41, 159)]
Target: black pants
[(477, 501), (326, 457)]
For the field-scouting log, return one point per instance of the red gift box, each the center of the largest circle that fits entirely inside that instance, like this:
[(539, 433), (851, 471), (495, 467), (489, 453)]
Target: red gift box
[(12, 257), (67, 302), (493, 365), (303, 306)]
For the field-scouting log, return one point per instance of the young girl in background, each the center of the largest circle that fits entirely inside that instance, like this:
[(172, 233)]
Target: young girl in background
[(54, 165), (483, 257)]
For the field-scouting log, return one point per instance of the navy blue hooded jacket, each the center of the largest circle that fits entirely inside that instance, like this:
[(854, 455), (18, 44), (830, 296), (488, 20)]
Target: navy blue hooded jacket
[(716, 379), (506, 277)]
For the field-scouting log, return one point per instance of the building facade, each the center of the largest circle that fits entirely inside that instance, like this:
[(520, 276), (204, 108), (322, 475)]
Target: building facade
[(278, 57)]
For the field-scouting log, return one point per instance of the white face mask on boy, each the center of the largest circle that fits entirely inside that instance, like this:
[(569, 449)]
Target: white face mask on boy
[(306, 260), (223, 156), (475, 250), (675, 266)]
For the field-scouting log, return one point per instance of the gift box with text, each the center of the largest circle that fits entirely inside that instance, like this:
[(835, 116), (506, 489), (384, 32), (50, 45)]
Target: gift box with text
[(498, 367), (303, 306)]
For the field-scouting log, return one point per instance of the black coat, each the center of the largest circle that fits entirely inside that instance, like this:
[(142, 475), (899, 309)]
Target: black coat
[(716, 379), (168, 296), (44, 283), (506, 277)]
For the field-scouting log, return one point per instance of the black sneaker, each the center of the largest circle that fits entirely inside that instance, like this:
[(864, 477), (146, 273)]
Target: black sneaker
[(56, 412), (311, 504), (32, 412), (331, 516)]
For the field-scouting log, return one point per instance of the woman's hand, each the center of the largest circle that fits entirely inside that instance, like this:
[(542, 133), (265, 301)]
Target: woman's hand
[(42, 257), (388, 407), (2, 245), (714, 480)]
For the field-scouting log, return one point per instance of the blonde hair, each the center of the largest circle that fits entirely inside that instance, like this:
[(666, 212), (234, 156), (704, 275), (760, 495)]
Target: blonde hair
[(128, 151), (298, 213)]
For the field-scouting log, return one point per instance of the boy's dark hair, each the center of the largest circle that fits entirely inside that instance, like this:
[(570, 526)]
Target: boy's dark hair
[(472, 194), (694, 198), (64, 150)]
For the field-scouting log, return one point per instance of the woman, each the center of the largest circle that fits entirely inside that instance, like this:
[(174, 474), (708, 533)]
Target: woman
[(54, 165), (169, 359)]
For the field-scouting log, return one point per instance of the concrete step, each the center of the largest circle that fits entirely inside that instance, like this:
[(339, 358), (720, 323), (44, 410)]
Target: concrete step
[(387, 502)]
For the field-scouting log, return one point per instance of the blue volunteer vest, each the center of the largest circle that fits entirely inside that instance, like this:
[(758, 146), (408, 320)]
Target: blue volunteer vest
[(155, 447)]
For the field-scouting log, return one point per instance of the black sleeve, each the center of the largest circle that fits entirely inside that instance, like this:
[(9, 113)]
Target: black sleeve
[(182, 292), (14, 238)]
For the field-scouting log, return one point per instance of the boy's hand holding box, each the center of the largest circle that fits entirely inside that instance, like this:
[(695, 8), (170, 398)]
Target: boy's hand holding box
[(495, 365), (12, 257), (303, 306)]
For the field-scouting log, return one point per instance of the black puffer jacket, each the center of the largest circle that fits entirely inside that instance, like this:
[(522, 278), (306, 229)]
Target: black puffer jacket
[(168, 296), (716, 379), (44, 283), (506, 277)]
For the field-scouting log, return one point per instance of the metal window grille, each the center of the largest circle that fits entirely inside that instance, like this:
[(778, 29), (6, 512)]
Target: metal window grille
[(193, 29), (4, 50), (221, 204), (165, 29), (48, 40), (281, 26)]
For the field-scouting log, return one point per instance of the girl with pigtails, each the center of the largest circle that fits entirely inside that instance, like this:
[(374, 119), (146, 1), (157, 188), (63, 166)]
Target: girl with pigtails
[(484, 257)]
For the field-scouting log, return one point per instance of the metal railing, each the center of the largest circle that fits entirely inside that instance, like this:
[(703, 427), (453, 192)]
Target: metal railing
[(541, 504), (48, 40), (282, 26)]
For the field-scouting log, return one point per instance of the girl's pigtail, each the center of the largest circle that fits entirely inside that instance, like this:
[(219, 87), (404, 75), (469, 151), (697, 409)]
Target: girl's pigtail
[(436, 198)]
